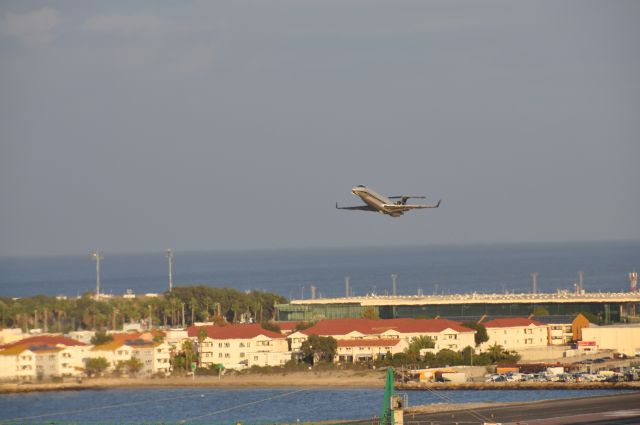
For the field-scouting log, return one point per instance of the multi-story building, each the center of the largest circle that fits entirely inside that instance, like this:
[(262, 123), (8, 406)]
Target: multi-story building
[(559, 329), (114, 352), (43, 356), (154, 356), (444, 334), (17, 363), (359, 350), (240, 346), (515, 333)]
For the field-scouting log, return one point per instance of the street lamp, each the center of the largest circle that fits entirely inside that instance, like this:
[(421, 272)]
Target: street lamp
[(169, 254), (97, 255)]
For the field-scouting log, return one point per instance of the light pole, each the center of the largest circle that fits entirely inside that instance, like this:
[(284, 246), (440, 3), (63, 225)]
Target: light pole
[(97, 255), (169, 254)]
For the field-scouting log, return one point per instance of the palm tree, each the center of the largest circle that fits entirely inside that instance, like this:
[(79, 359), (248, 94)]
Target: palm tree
[(495, 352), (187, 348)]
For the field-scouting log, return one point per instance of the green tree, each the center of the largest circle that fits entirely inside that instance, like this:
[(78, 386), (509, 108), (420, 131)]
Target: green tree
[(95, 365), (481, 332), (188, 350), (495, 352), (270, 326), (303, 325), (133, 365), (202, 335), (418, 343), (101, 337), (318, 348), (468, 355), (498, 354), (540, 311), (448, 357)]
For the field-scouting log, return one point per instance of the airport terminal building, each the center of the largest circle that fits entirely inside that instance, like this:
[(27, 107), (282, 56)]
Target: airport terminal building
[(606, 307)]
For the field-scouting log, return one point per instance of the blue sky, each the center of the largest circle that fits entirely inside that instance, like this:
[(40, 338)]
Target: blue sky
[(136, 126)]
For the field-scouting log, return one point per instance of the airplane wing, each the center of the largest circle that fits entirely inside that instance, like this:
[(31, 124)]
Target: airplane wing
[(359, 208), (396, 207)]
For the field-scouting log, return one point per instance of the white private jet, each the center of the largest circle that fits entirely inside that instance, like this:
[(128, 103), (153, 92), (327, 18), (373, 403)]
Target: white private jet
[(377, 202)]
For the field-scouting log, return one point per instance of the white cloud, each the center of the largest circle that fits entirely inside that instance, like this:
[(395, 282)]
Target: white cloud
[(32, 28), (127, 24)]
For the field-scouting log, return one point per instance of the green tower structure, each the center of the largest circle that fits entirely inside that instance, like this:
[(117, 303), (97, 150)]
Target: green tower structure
[(386, 415)]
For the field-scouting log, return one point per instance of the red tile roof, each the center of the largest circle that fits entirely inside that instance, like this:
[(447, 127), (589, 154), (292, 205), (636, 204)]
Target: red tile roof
[(48, 340), (287, 327), (367, 342), (510, 322), (376, 327), (233, 331)]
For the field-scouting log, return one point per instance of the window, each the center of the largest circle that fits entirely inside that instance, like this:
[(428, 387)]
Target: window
[(241, 355), (226, 355), (227, 345), (219, 345), (255, 358), (242, 345), (219, 354)]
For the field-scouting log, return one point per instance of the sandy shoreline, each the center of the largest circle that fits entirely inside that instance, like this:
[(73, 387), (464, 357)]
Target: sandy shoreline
[(346, 379), (311, 379)]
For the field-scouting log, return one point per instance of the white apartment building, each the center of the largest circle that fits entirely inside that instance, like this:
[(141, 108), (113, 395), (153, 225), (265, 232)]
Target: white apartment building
[(240, 346), (515, 333), (444, 333), (359, 350), (155, 357)]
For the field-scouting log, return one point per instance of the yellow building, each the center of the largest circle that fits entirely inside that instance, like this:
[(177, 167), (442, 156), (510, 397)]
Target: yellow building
[(17, 363)]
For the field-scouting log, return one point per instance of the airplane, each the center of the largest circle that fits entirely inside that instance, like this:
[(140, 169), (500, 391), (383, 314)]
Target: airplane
[(378, 203)]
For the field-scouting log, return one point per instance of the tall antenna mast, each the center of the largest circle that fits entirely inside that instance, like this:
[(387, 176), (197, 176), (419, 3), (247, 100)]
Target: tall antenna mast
[(347, 287), (633, 281), (169, 254), (97, 255), (534, 282), (581, 281), (313, 292), (394, 277)]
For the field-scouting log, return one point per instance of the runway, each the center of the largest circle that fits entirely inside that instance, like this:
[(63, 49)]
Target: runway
[(622, 409)]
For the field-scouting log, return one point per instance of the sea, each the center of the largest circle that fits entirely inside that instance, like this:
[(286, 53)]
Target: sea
[(434, 269), (230, 406)]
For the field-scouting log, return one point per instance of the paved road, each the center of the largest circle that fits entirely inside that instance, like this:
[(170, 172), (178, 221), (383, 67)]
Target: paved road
[(622, 409)]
